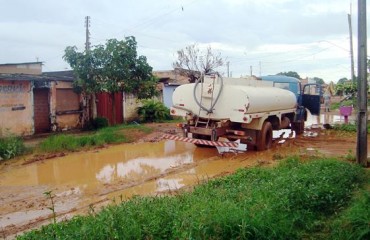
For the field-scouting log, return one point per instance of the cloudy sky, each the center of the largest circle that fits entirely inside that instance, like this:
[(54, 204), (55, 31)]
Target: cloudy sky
[(309, 37)]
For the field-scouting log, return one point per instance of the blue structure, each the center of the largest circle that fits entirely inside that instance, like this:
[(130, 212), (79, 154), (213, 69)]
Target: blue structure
[(289, 83), (168, 89)]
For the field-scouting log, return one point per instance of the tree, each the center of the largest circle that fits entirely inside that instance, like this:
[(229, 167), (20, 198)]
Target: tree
[(318, 80), (290, 74), (342, 80), (112, 67), (346, 88), (191, 61)]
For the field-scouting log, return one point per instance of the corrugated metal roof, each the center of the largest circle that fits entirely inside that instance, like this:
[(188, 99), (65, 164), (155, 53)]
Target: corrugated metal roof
[(11, 64), (48, 76)]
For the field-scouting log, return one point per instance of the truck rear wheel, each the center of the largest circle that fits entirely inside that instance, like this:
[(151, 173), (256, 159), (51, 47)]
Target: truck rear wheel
[(298, 127), (264, 137)]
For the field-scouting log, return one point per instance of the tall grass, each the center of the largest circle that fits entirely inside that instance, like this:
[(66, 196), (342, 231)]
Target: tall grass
[(291, 201), (354, 222), (350, 127), (63, 142), (11, 147)]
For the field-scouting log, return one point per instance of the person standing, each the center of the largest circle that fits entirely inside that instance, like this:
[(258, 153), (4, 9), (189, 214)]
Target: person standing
[(327, 102)]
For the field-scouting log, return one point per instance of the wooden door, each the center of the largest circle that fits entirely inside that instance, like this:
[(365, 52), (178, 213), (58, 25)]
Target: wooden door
[(41, 110)]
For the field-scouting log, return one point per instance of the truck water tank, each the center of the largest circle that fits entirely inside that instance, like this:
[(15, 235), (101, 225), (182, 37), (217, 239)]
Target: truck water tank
[(233, 101)]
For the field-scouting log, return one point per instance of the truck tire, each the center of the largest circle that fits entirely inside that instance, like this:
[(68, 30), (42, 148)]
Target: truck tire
[(264, 137), (298, 127)]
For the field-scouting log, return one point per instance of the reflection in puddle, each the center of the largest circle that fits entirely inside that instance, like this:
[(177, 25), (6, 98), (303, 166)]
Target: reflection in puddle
[(318, 120), (281, 135), (169, 184), (88, 171)]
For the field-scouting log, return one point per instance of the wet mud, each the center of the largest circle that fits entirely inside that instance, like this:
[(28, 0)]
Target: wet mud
[(85, 180)]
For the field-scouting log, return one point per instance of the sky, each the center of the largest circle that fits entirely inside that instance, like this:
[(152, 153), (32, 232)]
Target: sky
[(259, 36)]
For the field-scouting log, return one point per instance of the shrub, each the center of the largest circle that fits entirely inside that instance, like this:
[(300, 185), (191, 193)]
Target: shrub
[(100, 122), (96, 123), (11, 147), (153, 111)]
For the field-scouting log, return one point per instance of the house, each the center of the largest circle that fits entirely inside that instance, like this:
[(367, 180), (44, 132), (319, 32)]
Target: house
[(35, 102), (32, 101), (168, 81)]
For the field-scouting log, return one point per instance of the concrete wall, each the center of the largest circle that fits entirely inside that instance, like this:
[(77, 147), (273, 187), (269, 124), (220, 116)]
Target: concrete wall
[(16, 108), (24, 68), (130, 105), (67, 118)]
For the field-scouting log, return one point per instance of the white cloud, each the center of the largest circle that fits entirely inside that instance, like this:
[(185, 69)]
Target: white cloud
[(309, 37)]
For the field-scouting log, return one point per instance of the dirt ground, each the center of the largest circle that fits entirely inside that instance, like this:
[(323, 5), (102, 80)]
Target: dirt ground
[(85, 181)]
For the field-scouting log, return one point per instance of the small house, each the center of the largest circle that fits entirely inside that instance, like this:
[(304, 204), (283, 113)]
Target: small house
[(35, 102)]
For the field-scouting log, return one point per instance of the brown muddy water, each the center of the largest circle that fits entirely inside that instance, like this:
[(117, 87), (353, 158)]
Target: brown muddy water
[(86, 180)]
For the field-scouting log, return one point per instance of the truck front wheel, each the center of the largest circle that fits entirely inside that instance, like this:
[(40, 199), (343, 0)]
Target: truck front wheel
[(264, 137)]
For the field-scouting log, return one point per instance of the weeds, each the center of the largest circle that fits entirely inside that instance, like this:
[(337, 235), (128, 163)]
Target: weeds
[(108, 135), (350, 156), (354, 222), (49, 195), (291, 201), (11, 147)]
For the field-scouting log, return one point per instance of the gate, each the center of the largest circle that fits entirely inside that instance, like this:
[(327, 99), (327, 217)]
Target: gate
[(109, 103)]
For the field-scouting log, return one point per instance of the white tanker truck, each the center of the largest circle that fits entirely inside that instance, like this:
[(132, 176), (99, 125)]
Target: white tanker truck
[(244, 109)]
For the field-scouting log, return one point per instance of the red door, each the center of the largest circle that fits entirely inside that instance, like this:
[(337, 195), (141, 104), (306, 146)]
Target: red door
[(106, 102), (41, 110)]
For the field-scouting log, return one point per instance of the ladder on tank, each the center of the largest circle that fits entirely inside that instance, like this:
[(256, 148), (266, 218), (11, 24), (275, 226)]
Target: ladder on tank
[(198, 121)]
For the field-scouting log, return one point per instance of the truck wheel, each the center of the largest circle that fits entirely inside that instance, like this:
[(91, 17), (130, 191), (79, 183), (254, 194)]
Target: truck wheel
[(264, 137), (298, 127)]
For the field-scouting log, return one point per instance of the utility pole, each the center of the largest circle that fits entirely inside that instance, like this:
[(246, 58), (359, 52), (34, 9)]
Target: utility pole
[(361, 154), (87, 25), (91, 111), (351, 44), (251, 70)]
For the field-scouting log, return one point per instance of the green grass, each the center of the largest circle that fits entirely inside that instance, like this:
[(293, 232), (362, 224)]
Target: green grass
[(336, 105), (11, 147), (350, 127), (291, 201), (108, 135), (354, 222)]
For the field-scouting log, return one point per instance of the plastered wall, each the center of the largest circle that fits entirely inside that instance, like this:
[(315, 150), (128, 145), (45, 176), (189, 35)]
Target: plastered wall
[(16, 111)]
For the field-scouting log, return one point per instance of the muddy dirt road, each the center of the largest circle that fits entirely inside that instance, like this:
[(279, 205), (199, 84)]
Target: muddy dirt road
[(88, 180)]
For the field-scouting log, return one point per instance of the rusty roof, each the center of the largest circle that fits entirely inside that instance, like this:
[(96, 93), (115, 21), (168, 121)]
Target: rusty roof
[(67, 76)]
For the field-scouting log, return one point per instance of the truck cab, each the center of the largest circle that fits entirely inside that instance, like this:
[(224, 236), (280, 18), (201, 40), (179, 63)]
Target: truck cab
[(308, 96)]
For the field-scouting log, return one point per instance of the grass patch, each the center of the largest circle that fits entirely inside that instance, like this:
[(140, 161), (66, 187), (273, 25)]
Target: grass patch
[(291, 201), (337, 105), (354, 222), (11, 147), (350, 127), (108, 135)]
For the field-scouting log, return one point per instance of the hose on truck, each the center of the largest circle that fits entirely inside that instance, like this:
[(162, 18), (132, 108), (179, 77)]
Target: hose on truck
[(213, 103)]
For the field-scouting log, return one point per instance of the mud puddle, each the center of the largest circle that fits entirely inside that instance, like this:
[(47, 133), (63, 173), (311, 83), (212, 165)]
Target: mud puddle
[(80, 181)]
